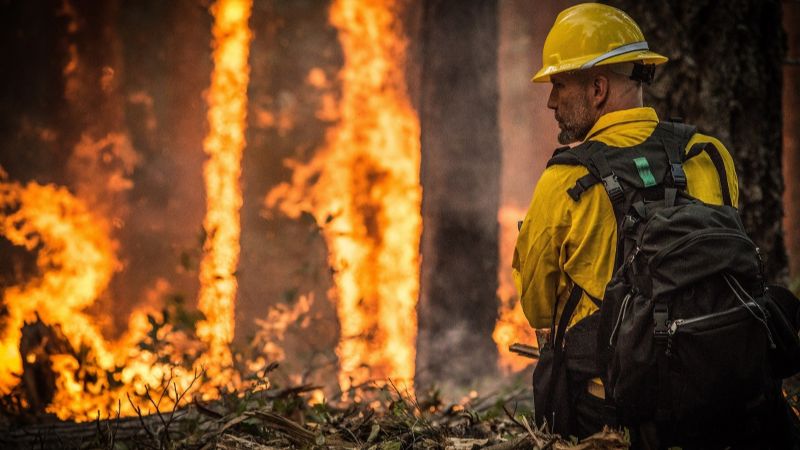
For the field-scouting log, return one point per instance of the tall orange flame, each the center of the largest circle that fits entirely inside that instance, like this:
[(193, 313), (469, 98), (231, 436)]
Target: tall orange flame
[(364, 186), (227, 100)]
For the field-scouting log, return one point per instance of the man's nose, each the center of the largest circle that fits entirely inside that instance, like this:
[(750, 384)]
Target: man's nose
[(552, 101)]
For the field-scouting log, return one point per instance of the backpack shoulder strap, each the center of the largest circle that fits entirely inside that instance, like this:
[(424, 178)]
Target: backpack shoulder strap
[(560, 330), (674, 137), (719, 164), (589, 154)]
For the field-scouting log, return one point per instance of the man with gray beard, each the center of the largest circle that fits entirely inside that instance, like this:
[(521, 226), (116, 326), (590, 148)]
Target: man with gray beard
[(596, 59)]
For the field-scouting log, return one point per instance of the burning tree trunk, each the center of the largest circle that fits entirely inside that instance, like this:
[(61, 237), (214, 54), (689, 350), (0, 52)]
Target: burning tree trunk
[(791, 135), (724, 76), (460, 176)]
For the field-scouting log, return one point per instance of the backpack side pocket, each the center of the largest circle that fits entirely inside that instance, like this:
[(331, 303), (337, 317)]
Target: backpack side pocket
[(783, 310)]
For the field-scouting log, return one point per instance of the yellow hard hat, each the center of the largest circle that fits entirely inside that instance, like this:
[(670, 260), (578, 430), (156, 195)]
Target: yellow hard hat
[(591, 34)]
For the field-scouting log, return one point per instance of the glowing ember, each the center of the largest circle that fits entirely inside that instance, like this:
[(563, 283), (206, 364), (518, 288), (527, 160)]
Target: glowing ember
[(227, 100), (511, 324), (364, 186)]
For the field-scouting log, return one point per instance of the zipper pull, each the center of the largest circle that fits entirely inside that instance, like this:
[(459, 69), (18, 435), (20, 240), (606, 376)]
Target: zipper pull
[(633, 255), (673, 326), (620, 315)]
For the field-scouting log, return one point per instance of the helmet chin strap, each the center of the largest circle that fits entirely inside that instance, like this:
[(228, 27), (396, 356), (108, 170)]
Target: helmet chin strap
[(636, 71), (643, 72)]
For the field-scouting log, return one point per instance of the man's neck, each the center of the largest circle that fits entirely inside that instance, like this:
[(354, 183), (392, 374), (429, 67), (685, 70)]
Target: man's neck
[(619, 104)]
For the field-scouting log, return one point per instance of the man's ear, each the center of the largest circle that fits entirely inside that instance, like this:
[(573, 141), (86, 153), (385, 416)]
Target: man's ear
[(599, 90)]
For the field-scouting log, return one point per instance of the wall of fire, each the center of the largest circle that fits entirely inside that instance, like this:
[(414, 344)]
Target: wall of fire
[(110, 101)]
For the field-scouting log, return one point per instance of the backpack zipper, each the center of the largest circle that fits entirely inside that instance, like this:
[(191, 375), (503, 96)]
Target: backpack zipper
[(620, 317), (679, 323), (699, 235)]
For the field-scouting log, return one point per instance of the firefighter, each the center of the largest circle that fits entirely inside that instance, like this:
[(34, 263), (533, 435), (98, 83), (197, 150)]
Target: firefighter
[(596, 59)]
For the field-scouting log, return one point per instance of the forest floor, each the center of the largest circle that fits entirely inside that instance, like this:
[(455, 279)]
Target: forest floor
[(383, 418)]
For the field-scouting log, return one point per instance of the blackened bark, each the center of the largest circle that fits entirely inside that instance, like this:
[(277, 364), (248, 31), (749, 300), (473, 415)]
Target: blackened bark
[(32, 94), (460, 179), (724, 75), (791, 136)]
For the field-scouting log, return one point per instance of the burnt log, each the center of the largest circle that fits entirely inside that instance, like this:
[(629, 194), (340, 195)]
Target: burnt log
[(100, 433)]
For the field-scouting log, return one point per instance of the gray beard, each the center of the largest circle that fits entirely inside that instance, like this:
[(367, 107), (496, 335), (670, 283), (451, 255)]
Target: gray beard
[(569, 135), (566, 137), (576, 126)]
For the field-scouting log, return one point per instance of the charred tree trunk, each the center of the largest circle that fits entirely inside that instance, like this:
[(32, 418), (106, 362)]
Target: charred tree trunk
[(33, 90), (460, 179), (791, 136), (724, 75)]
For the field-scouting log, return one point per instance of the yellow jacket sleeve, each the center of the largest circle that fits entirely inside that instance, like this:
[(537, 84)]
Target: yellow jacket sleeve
[(562, 242)]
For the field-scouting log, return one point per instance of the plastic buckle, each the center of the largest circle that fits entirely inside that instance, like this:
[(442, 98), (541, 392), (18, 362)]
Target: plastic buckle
[(643, 72), (613, 188), (678, 175), (629, 222), (661, 318)]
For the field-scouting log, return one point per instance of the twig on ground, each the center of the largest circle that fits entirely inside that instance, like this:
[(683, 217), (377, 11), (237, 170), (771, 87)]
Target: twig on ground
[(141, 420)]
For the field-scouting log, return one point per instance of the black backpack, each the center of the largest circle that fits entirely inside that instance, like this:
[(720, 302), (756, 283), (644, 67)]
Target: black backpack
[(687, 333)]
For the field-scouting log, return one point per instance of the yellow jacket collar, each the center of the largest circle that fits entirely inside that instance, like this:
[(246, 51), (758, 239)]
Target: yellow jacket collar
[(613, 118)]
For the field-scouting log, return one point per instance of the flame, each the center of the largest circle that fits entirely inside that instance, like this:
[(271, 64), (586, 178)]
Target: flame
[(76, 258), (273, 330), (511, 324), (364, 186), (227, 101)]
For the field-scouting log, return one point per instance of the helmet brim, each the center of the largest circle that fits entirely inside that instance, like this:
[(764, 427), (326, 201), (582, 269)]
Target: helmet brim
[(643, 56)]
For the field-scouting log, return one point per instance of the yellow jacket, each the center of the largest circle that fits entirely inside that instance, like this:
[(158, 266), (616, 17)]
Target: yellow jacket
[(562, 240)]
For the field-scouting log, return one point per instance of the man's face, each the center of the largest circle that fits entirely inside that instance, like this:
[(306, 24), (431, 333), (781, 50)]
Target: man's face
[(569, 99)]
